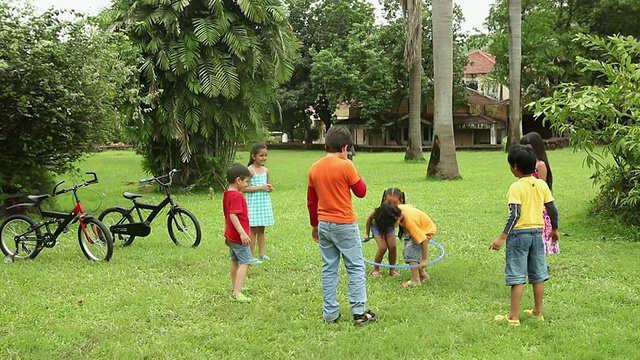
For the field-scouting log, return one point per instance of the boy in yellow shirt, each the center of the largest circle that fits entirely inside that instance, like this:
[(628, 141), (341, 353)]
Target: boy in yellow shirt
[(523, 233)]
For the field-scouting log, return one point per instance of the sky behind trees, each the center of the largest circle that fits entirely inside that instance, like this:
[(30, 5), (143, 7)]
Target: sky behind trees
[(475, 11)]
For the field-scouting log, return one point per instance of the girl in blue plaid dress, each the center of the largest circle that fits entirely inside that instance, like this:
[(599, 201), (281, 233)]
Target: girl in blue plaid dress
[(259, 200)]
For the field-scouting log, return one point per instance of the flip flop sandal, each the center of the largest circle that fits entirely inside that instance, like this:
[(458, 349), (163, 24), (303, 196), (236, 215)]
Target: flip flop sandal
[(394, 273), (364, 318), (530, 312), (506, 317), (409, 284), (376, 273)]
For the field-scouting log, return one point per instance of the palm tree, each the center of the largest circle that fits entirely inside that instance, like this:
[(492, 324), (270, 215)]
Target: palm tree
[(443, 163), (515, 62), (209, 75), (413, 62)]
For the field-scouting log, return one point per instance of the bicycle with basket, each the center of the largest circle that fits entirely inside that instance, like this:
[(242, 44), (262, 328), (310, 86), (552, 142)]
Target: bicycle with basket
[(23, 237), (184, 228)]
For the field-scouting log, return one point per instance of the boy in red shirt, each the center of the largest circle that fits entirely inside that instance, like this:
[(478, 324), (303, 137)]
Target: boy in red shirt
[(236, 231), (335, 228)]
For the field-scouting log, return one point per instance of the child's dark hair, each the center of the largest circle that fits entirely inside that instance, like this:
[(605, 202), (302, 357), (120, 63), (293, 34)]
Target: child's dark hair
[(385, 216), (523, 158), (237, 171), (255, 149), (535, 141), (338, 136), (393, 192)]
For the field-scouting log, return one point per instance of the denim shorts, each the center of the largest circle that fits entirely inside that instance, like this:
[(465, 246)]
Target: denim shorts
[(525, 257), (412, 252), (240, 253), (377, 232)]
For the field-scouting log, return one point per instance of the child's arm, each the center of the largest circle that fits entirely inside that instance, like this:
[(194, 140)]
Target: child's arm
[(368, 225), (236, 224), (269, 186), (512, 220), (554, 216), (312, 206)]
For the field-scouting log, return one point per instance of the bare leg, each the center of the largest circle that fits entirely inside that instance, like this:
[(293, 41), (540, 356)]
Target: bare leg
[(415, 274), (516, 296), (234, 272), (252, 236), (390, 242), (423, 261), (382, 249), (241, 273), (261, 242), (538, 295)]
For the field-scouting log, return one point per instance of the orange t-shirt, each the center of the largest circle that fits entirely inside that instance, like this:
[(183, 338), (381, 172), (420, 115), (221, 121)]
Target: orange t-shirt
[(332, 178)]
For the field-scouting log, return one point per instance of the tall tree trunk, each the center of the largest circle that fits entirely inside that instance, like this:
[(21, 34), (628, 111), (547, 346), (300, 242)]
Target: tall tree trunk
[(413, 61), (443, 163), (515, 69)]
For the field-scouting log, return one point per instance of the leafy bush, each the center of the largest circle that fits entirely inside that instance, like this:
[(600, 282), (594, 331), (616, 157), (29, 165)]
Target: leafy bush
[(605, 113), (60, 85)]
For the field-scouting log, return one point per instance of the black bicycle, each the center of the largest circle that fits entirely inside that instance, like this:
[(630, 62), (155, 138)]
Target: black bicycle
[(23, 237), (182, 225)]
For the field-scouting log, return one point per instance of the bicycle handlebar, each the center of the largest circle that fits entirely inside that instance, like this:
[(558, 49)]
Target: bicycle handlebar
[(77, 186), (157, 178)]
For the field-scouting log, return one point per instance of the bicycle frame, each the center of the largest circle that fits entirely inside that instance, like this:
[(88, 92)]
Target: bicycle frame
[(155, 209), (62, 218)]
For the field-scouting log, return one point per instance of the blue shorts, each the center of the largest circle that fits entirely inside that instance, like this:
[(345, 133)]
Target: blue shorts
[(525, 257), (240, 253), (377, 232), (412, 252)]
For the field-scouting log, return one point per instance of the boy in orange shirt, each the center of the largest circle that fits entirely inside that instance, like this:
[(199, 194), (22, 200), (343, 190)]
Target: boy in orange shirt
[(334, 225)]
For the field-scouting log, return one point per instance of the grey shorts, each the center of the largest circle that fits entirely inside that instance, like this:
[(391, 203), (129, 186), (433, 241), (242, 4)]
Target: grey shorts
[(240, 253), (412, 252), (525, 257)]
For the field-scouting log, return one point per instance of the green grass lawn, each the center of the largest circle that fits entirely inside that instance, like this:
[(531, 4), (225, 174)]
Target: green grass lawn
[(154, 300)]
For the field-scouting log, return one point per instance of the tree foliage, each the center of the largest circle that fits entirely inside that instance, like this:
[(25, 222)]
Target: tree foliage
[(606, 113), (61, 86), (209, 74), (370, 71)]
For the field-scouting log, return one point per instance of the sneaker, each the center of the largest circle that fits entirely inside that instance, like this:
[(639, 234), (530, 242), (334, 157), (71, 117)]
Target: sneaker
[(256, 261), (265, 257), (241, 298)]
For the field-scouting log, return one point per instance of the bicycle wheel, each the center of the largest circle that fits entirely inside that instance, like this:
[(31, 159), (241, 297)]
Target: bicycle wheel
[(187, 229), (114, 216), (95, 240), (20, 238)]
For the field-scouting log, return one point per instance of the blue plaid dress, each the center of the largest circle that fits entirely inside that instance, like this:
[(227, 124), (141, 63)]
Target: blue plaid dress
[(259, 203)]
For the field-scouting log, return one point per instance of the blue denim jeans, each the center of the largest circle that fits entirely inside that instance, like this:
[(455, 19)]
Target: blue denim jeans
[(525, 257), (335, 240)]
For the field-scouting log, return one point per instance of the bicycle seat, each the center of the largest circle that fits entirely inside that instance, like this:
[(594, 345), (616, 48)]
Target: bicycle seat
[(38, 198), (131, 196)]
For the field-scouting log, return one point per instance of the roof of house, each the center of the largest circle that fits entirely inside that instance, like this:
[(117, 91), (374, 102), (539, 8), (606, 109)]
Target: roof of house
[(476, 98), (480, 62)]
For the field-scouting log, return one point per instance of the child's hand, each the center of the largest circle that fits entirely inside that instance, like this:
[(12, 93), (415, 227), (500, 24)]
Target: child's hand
[(496, 244), (267, 188), (555, 236), (245, 239), (314, 234)]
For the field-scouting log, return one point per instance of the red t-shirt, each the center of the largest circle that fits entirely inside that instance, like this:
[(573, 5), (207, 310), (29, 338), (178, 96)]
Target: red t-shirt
[(233, 202)]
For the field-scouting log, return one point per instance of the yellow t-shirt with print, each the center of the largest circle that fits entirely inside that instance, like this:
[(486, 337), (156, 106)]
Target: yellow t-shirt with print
[(531, 194), (417, 223)]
